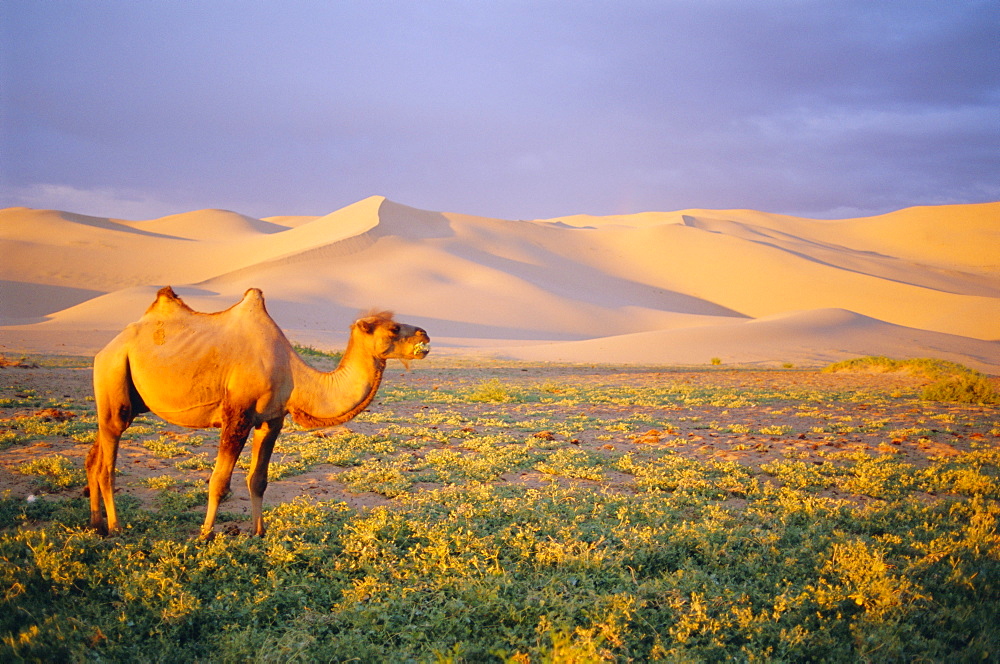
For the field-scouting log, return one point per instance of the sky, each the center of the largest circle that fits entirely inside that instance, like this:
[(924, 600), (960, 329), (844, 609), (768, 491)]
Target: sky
[(509, 109)]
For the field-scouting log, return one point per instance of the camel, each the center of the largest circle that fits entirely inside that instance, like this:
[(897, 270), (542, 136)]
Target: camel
[(234, 370)]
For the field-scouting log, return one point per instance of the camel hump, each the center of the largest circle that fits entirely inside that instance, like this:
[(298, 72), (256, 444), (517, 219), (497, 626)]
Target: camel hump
[(168, 304), (253, 295), (168, 293), (253, 300), (251, 307), (167, 300)]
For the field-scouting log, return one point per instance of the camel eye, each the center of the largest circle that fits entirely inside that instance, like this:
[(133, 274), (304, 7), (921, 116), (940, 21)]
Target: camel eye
[(394, 329)]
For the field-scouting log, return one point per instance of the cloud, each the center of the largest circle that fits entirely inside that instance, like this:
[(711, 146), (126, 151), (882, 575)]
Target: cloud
[(101, 202), (509, 109)]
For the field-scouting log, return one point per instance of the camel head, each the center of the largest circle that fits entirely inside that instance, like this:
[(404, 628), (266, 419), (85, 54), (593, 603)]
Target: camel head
[(389, 340)]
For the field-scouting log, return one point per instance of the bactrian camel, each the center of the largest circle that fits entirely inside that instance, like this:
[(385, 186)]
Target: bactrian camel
[(233, 370)]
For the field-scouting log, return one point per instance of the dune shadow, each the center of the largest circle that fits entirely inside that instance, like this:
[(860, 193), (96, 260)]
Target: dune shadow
[(23, 303)]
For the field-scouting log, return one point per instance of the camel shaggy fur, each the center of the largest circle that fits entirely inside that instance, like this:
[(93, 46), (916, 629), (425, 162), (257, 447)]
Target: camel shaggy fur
[(234, 370)]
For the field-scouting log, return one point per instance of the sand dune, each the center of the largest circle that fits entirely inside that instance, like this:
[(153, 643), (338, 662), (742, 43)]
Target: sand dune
[(660, 287), (208, 226), (803, 339)]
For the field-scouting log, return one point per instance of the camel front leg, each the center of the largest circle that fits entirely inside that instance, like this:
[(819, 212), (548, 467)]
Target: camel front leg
[(231, 441), (263, 445)]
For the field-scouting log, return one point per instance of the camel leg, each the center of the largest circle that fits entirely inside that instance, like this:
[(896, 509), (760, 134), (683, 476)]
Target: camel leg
[(263, 445), (101, 483), (94, 488), (235, 430), (112, 422)]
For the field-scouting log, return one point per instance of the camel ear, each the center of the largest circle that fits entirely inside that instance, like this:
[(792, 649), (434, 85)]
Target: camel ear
[(366, 325)]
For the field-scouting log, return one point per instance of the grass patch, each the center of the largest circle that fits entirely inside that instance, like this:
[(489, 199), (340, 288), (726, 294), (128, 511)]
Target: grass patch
[(176, 498), (40, 426), (22, 399), (570, 462), (10, 438), (54, 472), (195, 462), (172, 446), (493, 391), (389, 478)]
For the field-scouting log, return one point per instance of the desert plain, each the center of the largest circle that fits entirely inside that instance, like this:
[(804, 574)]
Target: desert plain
[(623, 446)]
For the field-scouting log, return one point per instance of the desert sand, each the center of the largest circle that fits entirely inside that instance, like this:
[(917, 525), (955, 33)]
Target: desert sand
[(743, 286)]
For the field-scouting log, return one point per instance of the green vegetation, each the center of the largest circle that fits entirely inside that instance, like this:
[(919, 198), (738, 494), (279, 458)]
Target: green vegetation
[(313, 355), (10, 438), (493, 391), (703, 516), (22, 398), (926, 367), (54, 472), (949, 381), (481, 572), (961, 388), (172, 446), (48, 361)]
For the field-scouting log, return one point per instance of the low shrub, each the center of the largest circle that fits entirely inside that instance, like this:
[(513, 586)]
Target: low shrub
[(951, 381), (493, 391), (968, 388), (310, 353)]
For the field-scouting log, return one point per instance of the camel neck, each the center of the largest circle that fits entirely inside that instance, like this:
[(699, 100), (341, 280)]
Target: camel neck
[(324, 399)]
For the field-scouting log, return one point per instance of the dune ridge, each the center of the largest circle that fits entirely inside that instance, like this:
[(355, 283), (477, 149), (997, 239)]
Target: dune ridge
[(658, 287)]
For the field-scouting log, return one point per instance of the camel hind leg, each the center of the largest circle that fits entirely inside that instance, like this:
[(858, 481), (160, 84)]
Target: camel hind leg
[(236, 428), (114, 396), (263, 445), (101, 476)]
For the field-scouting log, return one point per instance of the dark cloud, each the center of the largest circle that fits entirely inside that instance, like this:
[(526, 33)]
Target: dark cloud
[(512, 109)]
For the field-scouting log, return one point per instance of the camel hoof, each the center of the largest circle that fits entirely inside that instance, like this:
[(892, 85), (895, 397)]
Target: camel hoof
[(102, 528)]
